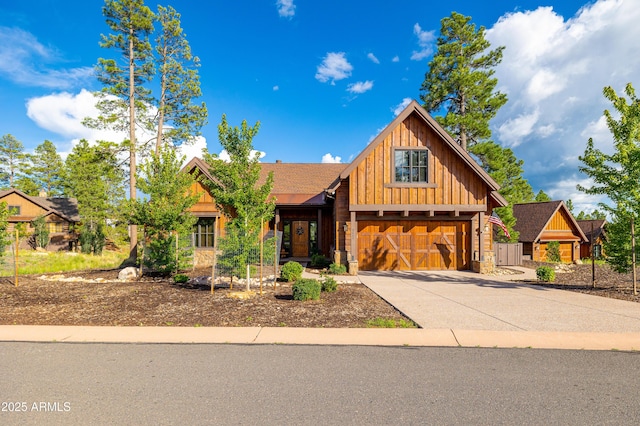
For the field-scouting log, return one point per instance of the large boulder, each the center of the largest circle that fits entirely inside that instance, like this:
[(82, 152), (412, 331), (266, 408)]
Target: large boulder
[(128, 274)]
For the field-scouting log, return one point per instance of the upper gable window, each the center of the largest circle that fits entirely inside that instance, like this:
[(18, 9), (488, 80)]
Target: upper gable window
[(14, 210), (411, 165)]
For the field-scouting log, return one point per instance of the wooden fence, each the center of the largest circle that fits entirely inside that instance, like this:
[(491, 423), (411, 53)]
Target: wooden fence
[(508, 254)]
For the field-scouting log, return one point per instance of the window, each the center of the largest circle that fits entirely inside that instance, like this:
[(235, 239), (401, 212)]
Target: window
[(55, 227), (203, 232), (411, 165), (14, 210)]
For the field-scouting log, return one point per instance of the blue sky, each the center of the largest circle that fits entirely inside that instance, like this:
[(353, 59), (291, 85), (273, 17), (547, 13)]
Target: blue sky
[(324, 77)]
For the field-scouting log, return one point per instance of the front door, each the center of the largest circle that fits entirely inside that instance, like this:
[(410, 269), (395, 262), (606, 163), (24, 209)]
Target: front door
[(300, 238)]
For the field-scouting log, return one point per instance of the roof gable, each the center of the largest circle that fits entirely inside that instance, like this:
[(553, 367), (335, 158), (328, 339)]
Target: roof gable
[(66, 208), (447, 140), (593, 228), (532, 219)]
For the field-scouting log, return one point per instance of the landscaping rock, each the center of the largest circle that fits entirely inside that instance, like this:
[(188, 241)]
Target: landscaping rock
[(128, 274)]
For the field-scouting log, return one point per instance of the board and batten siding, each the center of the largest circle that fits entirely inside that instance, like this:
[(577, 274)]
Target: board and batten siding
[(450, 181)]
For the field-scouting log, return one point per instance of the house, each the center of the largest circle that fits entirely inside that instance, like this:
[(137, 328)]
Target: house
[(61, 216), (596, 235), (413, 199), (541, 223)]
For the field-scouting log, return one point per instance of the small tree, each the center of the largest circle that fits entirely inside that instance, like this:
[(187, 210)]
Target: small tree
[(617, 175), (12, 159), (235, 189), (165, 213), (4, 225), (40, 232), (45, 168), (553, 252)]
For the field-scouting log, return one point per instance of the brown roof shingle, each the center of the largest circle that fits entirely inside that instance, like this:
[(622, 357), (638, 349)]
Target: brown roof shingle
[(531, 218)]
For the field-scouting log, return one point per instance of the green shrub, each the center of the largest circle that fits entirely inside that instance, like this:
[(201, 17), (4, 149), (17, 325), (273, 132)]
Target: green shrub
[(329, 284), (180, 278), (319, 261), (337, 269), (546, 274), (553, 252), (291, 271), (306, 289)]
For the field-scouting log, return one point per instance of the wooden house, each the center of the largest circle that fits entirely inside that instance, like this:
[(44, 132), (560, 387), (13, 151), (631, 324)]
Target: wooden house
[(541, 223), (595, 233), (60, 214), (413, 199)]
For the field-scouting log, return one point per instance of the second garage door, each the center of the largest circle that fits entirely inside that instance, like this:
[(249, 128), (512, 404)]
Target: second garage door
[(413, 245)]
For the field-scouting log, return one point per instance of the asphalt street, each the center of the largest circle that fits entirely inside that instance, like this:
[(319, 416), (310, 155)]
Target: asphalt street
[(81, 383)]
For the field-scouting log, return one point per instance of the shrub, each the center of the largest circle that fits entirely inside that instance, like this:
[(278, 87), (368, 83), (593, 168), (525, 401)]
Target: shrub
[(329, 284), (306, 289), (291, 271), (337, 269), (553, 252), (180, 278), (319, 261), (546, 274)]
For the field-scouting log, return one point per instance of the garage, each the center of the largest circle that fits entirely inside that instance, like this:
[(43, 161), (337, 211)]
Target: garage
[(414, 245)]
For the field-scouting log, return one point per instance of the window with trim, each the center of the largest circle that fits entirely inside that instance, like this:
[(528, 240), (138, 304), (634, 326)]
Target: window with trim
[(204, 232), (14, 210), (411, 165), (55, 227)]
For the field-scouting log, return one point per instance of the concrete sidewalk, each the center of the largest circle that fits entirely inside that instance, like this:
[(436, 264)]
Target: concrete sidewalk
[(453, 308)]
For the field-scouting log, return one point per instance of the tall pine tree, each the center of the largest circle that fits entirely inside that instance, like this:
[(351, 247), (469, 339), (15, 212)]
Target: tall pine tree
[(460, 81), (45, 168)]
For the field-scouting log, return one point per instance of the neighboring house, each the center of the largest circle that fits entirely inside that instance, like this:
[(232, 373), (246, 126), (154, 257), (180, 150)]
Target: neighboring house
[(541, 223), (61, 216), (412, 200), (595, 232)]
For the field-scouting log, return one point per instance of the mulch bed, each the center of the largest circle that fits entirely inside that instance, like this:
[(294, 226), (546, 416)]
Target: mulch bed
[(579, 278), (101, 300)]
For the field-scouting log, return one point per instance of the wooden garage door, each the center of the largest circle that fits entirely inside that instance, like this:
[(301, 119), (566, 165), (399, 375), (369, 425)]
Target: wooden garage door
[(566, 252), (413, 245)]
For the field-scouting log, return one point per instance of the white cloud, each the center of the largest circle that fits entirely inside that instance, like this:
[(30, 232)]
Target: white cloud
[(334, 67), (425, 40), (63, 113), (276, 88), (395, 59), (328, 158), (553, 71), (360, 87), (192, 150), (20, 51), (286, 8), (373, 58), (401, 106)]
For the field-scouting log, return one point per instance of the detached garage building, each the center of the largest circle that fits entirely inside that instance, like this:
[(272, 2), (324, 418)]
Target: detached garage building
[(541, 223), (412, 200)]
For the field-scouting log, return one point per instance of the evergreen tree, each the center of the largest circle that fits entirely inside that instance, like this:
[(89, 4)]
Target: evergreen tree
[(45, 169), (27, 185), (94, 177), (124, 100), (165, 214), (542, 197), (12, 159), (236, 191), (617, 175), (460, 83), (503, 166), (179, 119)]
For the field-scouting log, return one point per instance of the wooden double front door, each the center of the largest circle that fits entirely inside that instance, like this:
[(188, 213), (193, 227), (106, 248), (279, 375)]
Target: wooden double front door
[(414, 245)]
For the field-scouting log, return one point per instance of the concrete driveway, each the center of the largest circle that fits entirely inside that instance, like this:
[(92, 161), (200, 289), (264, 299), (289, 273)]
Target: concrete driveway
[(470, 301)]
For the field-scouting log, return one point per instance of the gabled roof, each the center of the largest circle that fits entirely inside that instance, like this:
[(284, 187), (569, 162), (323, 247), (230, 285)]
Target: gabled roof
[(293, 183), (532, 219), (66, 208), (596, 224), (414, 107)]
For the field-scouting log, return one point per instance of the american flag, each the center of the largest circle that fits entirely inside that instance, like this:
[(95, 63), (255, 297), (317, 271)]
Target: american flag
[(495, 219)]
